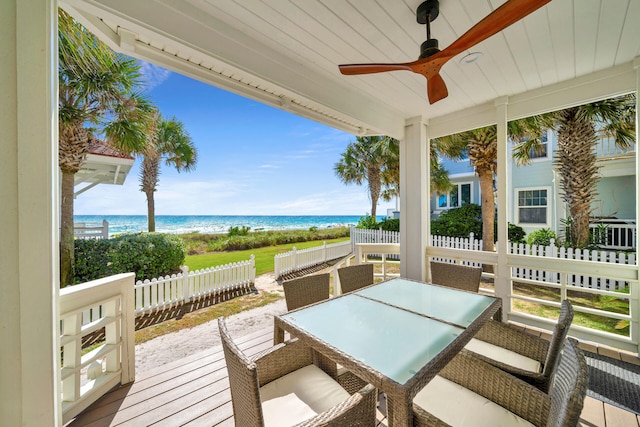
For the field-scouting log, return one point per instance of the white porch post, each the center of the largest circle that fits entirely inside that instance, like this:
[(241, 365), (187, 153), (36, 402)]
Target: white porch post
[(29, 351), (501, 282), (635, 297), (414, 199)]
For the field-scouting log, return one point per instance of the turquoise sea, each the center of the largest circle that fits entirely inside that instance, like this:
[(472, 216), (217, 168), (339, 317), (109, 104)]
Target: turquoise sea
[(217, 223)]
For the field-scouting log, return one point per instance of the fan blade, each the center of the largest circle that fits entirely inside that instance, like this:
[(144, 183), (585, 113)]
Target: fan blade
[(436, 89), (351, 69), (509, 13)]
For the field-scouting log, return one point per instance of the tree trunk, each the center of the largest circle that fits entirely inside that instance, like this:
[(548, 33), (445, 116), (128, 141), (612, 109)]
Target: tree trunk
[(576, 162), (67, 257), (488, 209), (373, 177), (151, 212)]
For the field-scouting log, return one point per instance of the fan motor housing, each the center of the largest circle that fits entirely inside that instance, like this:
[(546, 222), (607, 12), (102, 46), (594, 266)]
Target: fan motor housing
[(428, 48)]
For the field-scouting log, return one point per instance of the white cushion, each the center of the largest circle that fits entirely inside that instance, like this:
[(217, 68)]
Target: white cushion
[(299, 396), (460, 407), (503, 355)]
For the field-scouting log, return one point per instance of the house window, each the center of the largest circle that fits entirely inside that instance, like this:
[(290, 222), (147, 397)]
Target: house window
[(459, 195), (532, 206), (543, 150)]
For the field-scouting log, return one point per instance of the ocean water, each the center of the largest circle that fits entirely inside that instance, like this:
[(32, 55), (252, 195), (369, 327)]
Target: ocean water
[(217, 223)]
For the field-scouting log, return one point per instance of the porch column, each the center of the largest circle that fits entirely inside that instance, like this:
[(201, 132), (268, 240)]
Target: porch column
[(29, 351), (414, 199), (501, 281), (635, 299)]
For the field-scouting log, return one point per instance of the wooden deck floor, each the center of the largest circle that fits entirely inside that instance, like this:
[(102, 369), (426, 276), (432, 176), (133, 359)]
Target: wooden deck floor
[(194, 391)]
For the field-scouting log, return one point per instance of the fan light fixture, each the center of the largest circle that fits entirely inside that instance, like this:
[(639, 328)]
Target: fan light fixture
[(471, 58)]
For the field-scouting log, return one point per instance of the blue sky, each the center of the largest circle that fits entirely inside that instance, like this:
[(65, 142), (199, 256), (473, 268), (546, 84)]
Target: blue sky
[(252, 160)]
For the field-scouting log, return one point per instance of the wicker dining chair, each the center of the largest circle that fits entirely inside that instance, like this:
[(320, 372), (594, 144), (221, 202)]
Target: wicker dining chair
[(306, 290), (456, 276), (524, 355), (282, 387), (355, 277), (470, 392)]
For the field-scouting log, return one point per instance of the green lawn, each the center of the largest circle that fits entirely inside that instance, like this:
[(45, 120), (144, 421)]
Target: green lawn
[(264, 256)]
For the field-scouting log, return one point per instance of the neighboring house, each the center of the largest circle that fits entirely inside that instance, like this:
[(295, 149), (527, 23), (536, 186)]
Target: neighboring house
[(536, 201), (103, 165)]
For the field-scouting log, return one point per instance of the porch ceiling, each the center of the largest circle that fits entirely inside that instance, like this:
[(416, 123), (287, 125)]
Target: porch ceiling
[(286, 53)]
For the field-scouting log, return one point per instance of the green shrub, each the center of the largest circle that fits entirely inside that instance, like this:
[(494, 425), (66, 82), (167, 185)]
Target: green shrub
[(367, 222), (148, 255), (459, 222), (91, 259), (541, 237), (390, 224), (516, 234)]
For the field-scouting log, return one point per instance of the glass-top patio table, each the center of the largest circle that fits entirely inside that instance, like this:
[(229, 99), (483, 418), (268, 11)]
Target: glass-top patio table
[(397, 335)]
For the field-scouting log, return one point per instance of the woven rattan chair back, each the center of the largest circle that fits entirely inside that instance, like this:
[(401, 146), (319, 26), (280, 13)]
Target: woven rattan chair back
[(555, 344), (569, 387), (243, 382), (306, 290), (355, 277), (456, 276)]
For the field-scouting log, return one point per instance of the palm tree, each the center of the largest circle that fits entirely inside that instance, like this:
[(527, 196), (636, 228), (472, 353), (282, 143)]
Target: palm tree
[(481, 147), (170, 142), (370, 159), (578, 129), (96, 95)]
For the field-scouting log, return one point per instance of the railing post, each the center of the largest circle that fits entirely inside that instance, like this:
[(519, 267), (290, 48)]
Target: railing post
[(128, 330), (324, 251), (105, 229)]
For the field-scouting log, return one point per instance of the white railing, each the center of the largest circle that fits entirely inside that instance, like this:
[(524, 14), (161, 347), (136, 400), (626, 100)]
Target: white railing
[(578, 280), (615, 234), (551, 251), (363, 235), (171, 291), (83, 230), (383, 250), (86, 377), (606, 147), (295, 260)]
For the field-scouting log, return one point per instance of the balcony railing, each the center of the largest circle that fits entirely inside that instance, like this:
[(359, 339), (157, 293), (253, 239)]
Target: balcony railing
[(104, 304)]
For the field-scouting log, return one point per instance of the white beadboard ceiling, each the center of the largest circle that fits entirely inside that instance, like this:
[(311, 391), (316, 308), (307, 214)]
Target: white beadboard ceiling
[(286, 52)]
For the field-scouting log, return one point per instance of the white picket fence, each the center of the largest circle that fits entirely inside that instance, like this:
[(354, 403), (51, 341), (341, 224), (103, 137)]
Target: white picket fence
[(164, 292), (552, 251), (295, 260)]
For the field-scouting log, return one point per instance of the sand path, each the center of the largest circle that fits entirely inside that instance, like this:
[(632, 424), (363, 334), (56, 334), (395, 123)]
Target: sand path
[(186, 342)]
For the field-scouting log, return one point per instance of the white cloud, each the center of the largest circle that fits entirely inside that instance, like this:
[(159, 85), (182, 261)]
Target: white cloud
[(152, 75)]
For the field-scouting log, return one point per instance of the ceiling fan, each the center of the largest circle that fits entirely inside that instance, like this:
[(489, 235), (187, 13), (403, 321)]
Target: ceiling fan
[(432, 59)]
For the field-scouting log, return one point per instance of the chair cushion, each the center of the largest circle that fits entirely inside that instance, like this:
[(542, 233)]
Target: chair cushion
[(503, 355), (299, 396), (460, 407)]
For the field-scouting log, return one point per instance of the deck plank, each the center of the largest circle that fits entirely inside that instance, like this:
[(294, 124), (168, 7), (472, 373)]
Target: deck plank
[(194, 391)]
